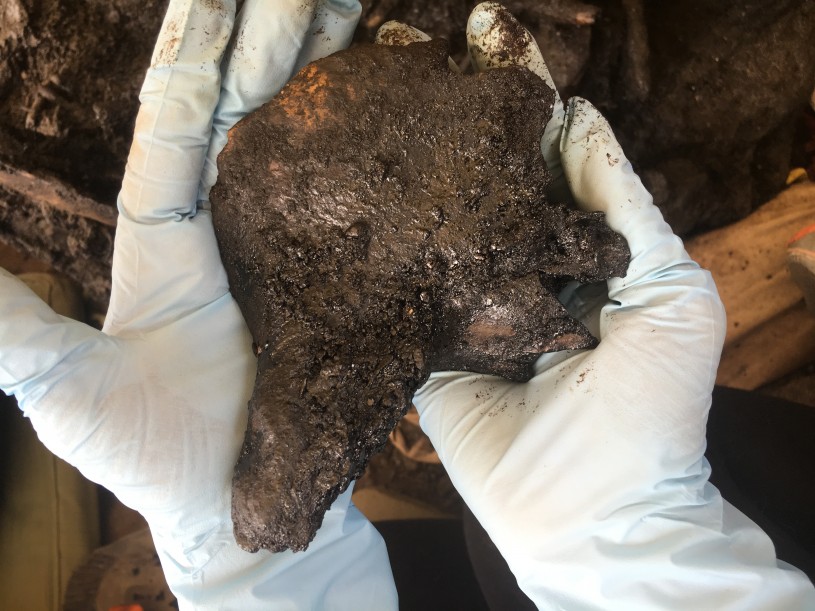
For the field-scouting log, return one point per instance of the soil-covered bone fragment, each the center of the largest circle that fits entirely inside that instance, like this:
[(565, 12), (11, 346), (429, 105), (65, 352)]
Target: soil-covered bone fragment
[(382, 218)]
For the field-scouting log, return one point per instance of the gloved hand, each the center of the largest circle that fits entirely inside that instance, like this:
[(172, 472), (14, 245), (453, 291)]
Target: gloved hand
[(154, 407), (591, 478)]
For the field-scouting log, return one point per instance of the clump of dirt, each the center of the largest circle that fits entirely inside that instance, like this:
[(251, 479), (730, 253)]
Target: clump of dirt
[(382, 218)]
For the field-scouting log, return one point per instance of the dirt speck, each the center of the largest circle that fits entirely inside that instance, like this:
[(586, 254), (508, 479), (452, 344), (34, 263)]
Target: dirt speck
[(515, 40), (168, 53)]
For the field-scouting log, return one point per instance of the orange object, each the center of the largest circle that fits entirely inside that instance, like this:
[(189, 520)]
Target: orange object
[(127, 608), (805, 231)]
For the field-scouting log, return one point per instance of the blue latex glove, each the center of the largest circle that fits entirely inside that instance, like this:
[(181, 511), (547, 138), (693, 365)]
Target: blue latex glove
[(154, 407), (591, 478)]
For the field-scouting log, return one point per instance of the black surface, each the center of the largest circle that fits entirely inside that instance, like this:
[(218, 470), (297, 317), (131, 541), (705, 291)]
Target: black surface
[(762, 452), (430, 566)]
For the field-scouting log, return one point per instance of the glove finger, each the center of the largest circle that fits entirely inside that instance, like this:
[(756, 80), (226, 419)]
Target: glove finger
[(601, 179), (163, 269), (398, 34), (273, 41), (332, 30), (173, 126), (496, 39), (663, 288), (162, 272)]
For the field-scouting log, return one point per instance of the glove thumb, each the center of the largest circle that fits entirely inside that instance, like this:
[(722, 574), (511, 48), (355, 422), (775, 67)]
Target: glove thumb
[(601, 178)]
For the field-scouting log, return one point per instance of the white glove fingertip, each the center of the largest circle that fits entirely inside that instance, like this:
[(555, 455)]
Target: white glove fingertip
[(496, 39), (398, 34)]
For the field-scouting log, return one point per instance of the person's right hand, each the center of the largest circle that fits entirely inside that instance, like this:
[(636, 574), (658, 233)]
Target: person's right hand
[(591, 478)]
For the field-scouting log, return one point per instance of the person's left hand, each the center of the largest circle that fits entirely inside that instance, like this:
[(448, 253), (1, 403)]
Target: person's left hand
[(154, 407)]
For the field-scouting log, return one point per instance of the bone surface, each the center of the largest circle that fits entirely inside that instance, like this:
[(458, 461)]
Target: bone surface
[(384, 217)]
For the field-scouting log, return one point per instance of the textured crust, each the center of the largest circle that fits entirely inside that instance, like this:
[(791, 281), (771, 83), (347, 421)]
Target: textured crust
[(382, 218)]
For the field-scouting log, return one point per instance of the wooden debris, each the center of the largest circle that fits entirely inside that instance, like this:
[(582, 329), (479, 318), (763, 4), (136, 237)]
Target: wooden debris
[(52, 222), (769, 331)]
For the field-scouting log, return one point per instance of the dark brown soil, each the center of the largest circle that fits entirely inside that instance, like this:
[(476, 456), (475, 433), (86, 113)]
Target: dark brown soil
[(70, 73), (706, 101), (383, 218)]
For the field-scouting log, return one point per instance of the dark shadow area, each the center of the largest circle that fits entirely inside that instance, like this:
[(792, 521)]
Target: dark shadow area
[(8, 412), (762, 452), (430, 565)]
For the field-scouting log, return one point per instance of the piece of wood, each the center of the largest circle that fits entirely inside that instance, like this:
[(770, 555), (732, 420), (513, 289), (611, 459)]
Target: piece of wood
[(782, 345), (50, 221), (769, 332), (571, 12)]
